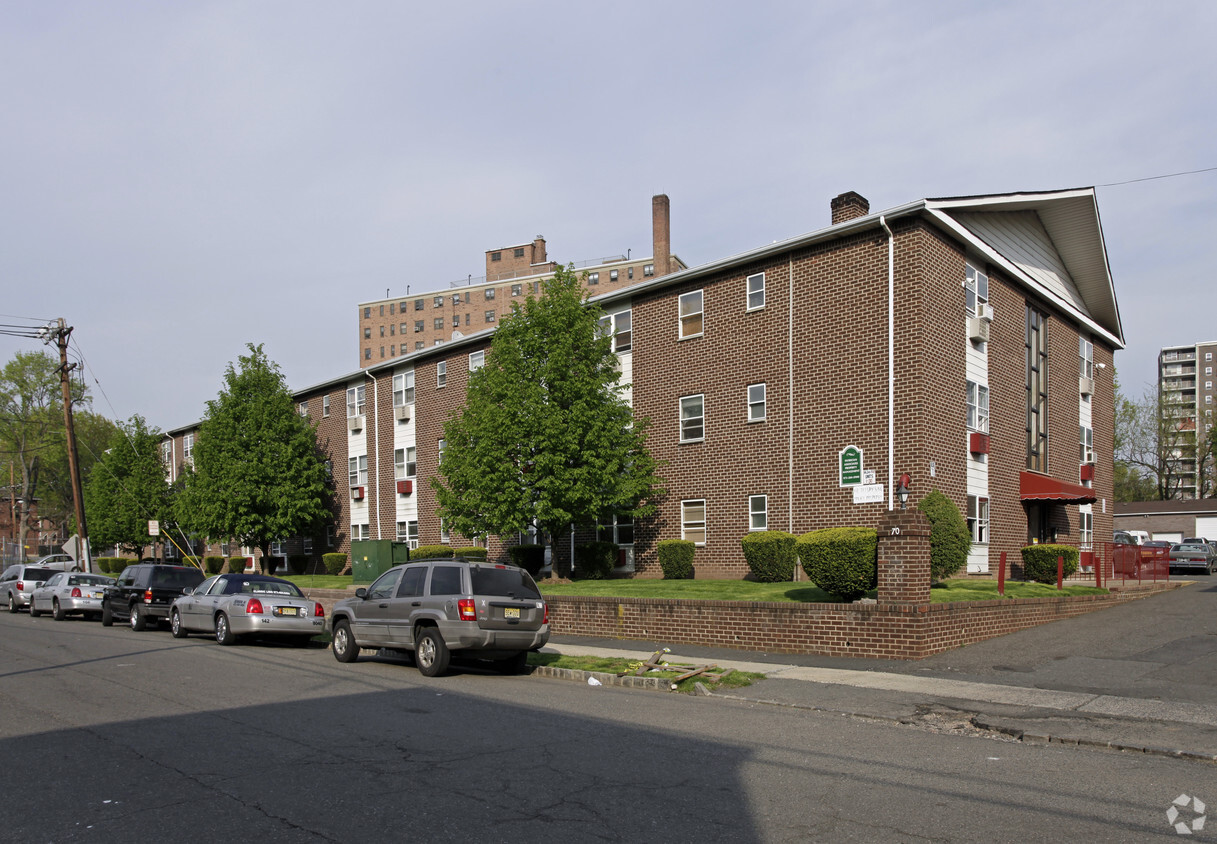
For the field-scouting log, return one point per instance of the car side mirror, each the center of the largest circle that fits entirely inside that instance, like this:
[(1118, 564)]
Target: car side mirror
[(189, 590), (361, 592)]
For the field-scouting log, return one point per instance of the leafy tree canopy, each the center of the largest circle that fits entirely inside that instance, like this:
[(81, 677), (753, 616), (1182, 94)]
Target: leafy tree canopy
[(546, 435), (127, 488)]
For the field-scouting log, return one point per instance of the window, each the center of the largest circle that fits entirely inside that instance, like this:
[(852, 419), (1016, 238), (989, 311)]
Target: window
[(1208, 370), (357, 468), (367, 313), (496, 256), (382, 310), (1036, 348), (1086, 529), (1208, 355), (516, 289), (1086, 444), (360, 532), (519, 252), (441, 374), (648, 270), (693, 521), (325, 406), (756, 402), (419, 344), (438, 301), (489, 294), (355, 401), (407, 531), (403, 388), (276, 548), (401, 307), (329, 468), (444, 535), (618, 530), (439, 451), (224, 548), (617, 326), (382, 351), (758, 512), (456, 298), (978, 407), (593, 278), (382, 331), (367, 332), (1086, 357), (1208, 385), (612, 275), (367, 354), (978, 519), (418, 327), (755, 285), (629, 272), (393, 351), (690, 314), (476, 361), (418, 304), (692, 418), (393, 329), (456, 320), (399, 464), (438, 323), (302, 408), (167, 453), (976, 288), (188, 448), (411, 461), (490, 316), (329, 537), (466, 319)]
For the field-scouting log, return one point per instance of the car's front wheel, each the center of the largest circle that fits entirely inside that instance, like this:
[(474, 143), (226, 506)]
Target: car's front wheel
[(175, 625), (224, 634), (345, 649), (430, 652)]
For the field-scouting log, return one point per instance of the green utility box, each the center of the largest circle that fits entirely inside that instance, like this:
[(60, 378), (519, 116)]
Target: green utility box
[(370, 558)]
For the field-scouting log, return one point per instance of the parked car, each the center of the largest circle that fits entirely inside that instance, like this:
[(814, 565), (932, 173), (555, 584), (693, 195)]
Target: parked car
[(66, 593), (1126, 556), (58, 562), (445, 608), (230, 606), (1195, 556), (18, 582), (144, 592)]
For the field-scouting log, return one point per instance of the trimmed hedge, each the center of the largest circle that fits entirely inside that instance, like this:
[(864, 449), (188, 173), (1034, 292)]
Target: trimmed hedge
[(470, 553), (431, 552), (194, 562), (236, 565), (594, 560), (771, 555), (676, 559), (297, 563), (334, 562), (117, 564), (214, 565), (950, 540), (1039, 561), (531, 558), (843, 561), (106, 563)]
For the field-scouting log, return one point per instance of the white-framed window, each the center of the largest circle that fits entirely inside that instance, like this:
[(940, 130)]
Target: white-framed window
[(758, 512), (411, 461), (1208, 355), (408, 532), (357, 469), (439, 451), (302, 408), (755, 291), (444, 535), (476, 360), (1208, 385), (691, 323), (188, 448), (1208, 399), (1086, 443), (167, 453), (441, 374), (976, 287), (593, 278), (307, 543), (612, 275), (325, 406), (692, 418), (399, 464), (276, 547), (224, 548), (978, 519), (403, 388), (1086, 357), (648, 270), (978, 407), (1085, 530), (360, 531), (618, 530), (756, 402), (1208, 370), (693, 520), (355, 401), (618, 327)]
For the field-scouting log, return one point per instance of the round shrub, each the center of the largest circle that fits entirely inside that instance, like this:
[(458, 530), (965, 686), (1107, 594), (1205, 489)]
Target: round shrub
[(117, 564), (102, 563), (1039, 561), (297, 563), (594, 560), (214, 565), (431, 552), (771, 555), (950, 541), (676, 559), (236, 565), (334, 562), (470, 553), (843, 561), (531, 558)]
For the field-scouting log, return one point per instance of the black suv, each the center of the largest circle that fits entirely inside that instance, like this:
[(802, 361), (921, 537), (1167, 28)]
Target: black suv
[(145, 591)]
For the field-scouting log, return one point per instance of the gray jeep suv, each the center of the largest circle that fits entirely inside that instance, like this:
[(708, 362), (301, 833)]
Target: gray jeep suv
[(442, 608)]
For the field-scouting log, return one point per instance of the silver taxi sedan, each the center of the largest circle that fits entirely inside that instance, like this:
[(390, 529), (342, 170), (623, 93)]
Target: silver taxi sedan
[(67, 593), (233, 606)]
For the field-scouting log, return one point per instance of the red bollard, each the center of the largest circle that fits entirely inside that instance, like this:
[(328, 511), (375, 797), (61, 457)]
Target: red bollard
[(1001, 575), (1060, 571), (1098, 571)]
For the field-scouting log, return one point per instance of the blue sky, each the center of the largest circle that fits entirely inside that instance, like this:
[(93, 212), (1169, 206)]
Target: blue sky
[(182, 178)]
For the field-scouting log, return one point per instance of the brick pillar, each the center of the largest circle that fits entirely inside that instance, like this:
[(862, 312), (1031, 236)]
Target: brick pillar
[(904, 557), (661, 233)]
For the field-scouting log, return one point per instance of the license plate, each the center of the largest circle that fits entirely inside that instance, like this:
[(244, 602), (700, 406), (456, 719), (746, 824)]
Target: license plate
[(511, 612), (287, 611)]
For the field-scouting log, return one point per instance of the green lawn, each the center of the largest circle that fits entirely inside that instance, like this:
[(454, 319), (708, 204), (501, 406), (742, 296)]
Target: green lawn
[(619, 665), (319, 581)]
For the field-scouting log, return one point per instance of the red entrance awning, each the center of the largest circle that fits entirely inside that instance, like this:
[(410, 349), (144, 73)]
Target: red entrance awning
[(1036, 487)]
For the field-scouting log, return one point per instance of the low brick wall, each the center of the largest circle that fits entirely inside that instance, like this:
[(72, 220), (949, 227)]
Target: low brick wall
[(884, 631)]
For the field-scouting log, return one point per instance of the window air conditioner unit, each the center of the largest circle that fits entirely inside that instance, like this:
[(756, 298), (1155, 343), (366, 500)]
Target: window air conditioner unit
[(1087, 472), (357, 493), (405, 487), (355, 424), (1085, 385), (402, 413), (978, 443), (985, 311), (978, 330)]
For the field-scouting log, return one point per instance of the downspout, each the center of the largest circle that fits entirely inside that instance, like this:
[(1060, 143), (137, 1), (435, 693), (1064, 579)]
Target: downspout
[(891, 358), (376, 442), (790, 395)]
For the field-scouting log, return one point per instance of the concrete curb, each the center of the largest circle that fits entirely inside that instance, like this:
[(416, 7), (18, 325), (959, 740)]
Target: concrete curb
[(653, 684), (1074, 741)]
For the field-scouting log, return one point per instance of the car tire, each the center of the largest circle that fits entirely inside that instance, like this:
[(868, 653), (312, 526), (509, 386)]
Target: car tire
[(107, 616), (517, 664), (430, 653), (12, 603), (224, 634), (175, 626), (344, 646), (58, 612), (33, 612), (139, 621)]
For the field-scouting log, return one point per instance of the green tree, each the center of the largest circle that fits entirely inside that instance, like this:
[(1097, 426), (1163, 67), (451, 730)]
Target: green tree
[(127, 488), (257, 475), (546, 436), (1155, 447), (93, 434)]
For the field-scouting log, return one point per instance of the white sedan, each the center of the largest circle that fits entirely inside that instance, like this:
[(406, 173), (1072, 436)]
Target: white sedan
[(233, 606), (69, 592)]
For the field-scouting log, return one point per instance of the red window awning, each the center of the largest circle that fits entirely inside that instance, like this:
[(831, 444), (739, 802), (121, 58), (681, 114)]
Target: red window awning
[(1032, 486)]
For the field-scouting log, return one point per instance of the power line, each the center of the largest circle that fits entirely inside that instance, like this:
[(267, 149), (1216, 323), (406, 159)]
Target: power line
[(1163, 176)]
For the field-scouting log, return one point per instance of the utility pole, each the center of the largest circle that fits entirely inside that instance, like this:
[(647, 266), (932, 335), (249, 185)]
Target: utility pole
[(60, 332)]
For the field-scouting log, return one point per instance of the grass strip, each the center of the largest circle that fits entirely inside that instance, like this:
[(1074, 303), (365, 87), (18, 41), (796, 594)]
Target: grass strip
[(622, 665)]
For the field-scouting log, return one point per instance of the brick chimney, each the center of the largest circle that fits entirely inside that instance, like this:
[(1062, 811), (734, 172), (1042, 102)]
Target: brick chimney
[(538, 250), (661, 233), (848, 206)]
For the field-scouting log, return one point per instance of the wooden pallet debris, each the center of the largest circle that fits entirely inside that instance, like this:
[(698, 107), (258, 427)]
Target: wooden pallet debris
[(710, 672)]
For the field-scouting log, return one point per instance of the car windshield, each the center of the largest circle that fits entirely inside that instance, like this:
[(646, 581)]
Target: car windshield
[(271, 587), (1199, 548), (508, 581)]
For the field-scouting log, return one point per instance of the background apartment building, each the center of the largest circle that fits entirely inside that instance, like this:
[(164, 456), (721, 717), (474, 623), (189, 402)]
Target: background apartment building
[(393, 327), (1185, 387)]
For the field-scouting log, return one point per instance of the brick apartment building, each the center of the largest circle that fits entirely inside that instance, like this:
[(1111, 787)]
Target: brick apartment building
[(393, 327), (966, 341), (1185, 385)]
